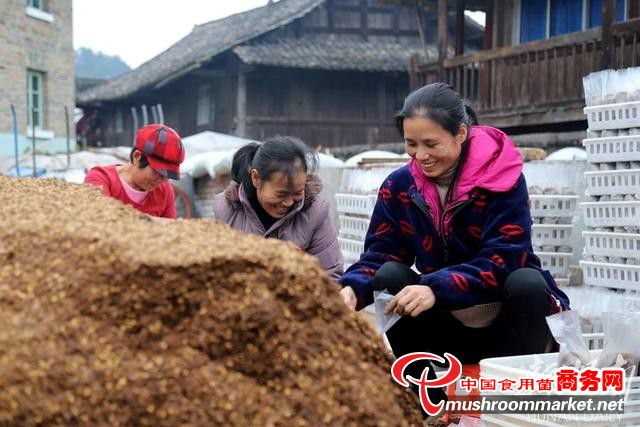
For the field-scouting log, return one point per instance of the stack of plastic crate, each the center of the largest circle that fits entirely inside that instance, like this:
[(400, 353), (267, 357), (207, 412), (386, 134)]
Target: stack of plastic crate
[(527, 366), (552, 212), (612, 241), (355, 202)]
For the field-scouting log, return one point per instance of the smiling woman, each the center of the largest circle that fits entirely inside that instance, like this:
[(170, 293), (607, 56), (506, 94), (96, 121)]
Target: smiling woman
[(458, 211), (275, 194)]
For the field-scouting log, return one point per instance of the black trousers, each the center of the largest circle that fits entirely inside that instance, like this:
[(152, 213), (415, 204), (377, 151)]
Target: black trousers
[(520, 328)]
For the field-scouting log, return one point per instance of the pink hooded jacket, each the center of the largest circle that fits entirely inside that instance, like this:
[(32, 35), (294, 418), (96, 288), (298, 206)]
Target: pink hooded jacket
[(492, 163)]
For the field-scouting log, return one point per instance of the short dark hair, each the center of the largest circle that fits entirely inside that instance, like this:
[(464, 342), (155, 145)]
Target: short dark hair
[(143, 158)]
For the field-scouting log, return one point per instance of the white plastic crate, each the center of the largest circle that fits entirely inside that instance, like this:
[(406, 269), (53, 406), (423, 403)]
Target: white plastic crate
[(556, 262), (611, 214), (611, 244), (351, 249), (614, 116), (612, 149), (515, 367), (617, 276), (551, 234), (553, 205), (594, 340), (355, 203), (613, 182), (354, 226)]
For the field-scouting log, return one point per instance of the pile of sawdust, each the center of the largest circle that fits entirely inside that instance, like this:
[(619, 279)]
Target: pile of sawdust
[(106, 318)]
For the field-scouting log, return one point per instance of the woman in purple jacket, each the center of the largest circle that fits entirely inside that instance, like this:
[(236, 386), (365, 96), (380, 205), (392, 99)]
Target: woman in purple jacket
[(458, 210), (275, 194)]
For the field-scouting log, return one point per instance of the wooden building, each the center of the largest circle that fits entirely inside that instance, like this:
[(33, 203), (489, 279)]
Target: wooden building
[(527, 78), (332, 72)]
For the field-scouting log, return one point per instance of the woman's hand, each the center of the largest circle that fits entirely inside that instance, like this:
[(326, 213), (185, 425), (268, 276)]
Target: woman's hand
[(349, 297), (411, 301)]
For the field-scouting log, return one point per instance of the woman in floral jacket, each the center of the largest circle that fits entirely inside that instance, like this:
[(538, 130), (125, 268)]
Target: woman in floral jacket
[(459, 211)]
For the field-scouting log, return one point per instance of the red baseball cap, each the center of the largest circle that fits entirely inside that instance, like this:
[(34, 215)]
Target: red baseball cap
[(163, 148)]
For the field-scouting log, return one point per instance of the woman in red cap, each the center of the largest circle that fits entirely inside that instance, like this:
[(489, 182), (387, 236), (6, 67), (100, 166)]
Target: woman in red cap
[(143, 182)]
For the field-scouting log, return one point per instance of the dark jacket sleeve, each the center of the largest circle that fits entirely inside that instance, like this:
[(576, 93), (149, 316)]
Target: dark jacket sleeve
[(383, 243), (505, 246)]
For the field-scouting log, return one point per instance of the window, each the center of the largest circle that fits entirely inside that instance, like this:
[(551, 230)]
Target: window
[(595, 12), (38, 9), (540, 19), (36, 4), (533, 20), (204, 105), (566, 17), (35, 101)]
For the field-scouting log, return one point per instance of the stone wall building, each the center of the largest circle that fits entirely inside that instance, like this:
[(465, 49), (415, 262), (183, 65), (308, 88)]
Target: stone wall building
[(36, 73)]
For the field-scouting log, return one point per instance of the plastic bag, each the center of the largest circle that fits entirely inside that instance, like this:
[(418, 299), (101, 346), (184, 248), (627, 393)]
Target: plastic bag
[(609, 83), (622, 342), (630, 78), (384, 321), (592, 90), (565, 327)]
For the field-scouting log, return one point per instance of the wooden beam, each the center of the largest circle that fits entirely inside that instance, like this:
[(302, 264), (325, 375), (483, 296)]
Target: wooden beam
[(628, 27), (414, 79), (460, 27), (211, 73), (634, 8), (241, 102), (487, 42), (420, 24), (569, 112), (396, 19), (608, 12), (442, 36), (382, 106), (364, 19)]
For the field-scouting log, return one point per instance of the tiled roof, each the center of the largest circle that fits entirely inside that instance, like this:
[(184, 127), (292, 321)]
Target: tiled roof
[(333, 53), (202, 44)]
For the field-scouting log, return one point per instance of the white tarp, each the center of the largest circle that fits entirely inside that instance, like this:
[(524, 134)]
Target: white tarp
[(213, 164), (208, 141), (568, 154), (371, 154), (327, 161)]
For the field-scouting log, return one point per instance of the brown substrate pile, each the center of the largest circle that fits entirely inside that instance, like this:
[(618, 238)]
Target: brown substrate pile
[(108, 319)]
